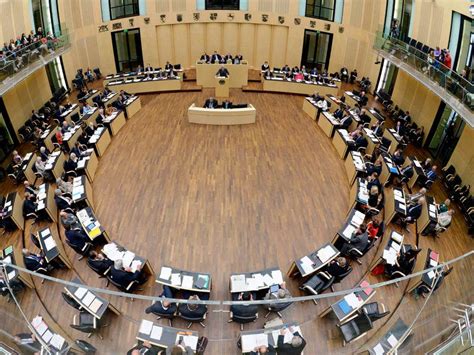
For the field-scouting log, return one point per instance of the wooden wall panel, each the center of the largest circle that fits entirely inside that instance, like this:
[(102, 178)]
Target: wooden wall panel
[(279, 43), (164, 36), (92, 51), (162, 5), (231, 37), (27, 95), (282, 6), (262, 44), (463, 156), (214, 37), (247, 41), (197, 40), (181, 45), (87, 12)]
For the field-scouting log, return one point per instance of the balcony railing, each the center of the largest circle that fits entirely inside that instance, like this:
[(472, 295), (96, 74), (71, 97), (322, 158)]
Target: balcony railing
[(16, 66), (458, 92)]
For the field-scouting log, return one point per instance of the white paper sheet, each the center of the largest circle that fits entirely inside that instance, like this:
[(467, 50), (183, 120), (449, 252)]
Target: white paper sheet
[(80, 292), (95, 305), (146, 327), (378, 349), (156, 332), (165, 273), (88, 298), (187, 282), (277, 277), (392, 340), (176, 279), (57, 341), (49, 243)]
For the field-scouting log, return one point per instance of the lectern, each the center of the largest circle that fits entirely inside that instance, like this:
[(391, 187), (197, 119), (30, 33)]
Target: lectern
[(222, 86)]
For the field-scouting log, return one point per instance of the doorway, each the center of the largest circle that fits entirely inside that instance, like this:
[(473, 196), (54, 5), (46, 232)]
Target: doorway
[(387, 77), (446, 134), (316, 49), (127, 50)]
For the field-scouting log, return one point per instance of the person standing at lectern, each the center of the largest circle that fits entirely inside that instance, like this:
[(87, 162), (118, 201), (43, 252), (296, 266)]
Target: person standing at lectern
[(210, 103), (223, 72)]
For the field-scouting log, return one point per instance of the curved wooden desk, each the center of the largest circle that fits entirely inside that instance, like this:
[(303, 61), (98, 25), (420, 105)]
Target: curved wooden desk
[(220, 116)]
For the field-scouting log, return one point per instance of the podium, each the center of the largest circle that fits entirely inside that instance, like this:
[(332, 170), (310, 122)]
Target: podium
[(222, 86)]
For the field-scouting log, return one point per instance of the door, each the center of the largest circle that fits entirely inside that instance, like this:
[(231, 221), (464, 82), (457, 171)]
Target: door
[(446, 135), (127, 50), (387, 78), (316, 49)]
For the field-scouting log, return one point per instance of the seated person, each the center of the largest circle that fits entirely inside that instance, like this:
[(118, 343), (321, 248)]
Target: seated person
[(375, 198), (265, 66), (192, 310), (226, 104), (65, 127), (359, 241), (99, 262), (238, 59), (33, 262), (90, 129), (28, 343), (363, 116), (86, 108), (404, 263), (376, 167), (144, 348), (373, 180), (296, 345), (414, 212), (222, 72), (426, 165), (205, 58), (44, 153), (211, 103), (82, 93), (162, 307), (423, 289), (398, 157), (71, 163), (79, 150), (444, 220), (344, 74), (359, 142), (374, 229), (110, 110), (69, 220), (179, 349), (65, 187), (338, 267), (444, 207), (282, 293), (430, 175), (244, 310), (77, 237), (345, 122), (29, 204), (62, 202), (125, 276), (413, 198), (30, 188)]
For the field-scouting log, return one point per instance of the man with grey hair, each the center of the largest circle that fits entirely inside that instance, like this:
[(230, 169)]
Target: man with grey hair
[(125, 276), (295, 347)]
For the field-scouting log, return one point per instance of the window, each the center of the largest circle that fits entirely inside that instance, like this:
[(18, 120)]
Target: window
[(123, 8), (127, 50), (222, 4), (322, 9)]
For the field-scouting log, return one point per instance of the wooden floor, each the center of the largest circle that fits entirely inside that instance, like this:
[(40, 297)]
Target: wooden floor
[(230, 199)]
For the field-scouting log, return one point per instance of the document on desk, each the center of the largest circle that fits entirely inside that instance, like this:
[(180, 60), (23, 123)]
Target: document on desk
[(352, 300), (146, 327), (57, 341), (156, 332), (348, 231), (11, 275), (325, 253), (187, 282), (41, 195), (306, 264), (399, 198), (259, 279), (268, 280), (397, 193), (389, 256), (135, 265), (397, 237), (431, 274), (358, 218), (45, 233), (277, 277), (378, 349), (128, 257), (237, 283), (49, 243), (252, 283), (88, 298), (289, 335), (392, 340), (80, 292), (252, 341), (189, 340), (176, 279), (81, 164), (95, 305), (165, 273), (47, 336), (40, 205)]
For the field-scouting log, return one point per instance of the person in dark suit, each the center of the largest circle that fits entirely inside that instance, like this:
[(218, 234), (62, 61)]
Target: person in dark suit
[(295, 347), (223, 72), (363, 98), (44, 153), (398, 157), (168, 66), (346, 122), (30, 188), (100, 117), (71, 163), (414, 212), (29, 204), (359, 241), (373, 180), (27, 343), (228, 57), (216, 58), (205, 57), (338, 267), (238, 59), (344, 74), (99, 262), (77, 237), (226, 104), (144, 348), (244, 310), (359, 142), (211, 103), (162, 307), (364, 117), (33, 262), (265, 66), (125, 276), (62, 202), (400, 129), (192, 310)]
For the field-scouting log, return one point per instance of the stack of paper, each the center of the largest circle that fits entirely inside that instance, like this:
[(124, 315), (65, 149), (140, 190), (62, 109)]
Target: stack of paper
[(146, 327), (135, 265), (128, 257), (88, 298), (237, 283), (397, 237), (349, 231), (187, 282), (306, 264), (358, 218), (165, 273), (390, 256), (176, 279), (392, 340), (57, 341), (252, 341), (49, 243), (156, 332), (325, 253), (188, 340), (277, 277), (352, 300), (260, 280)]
